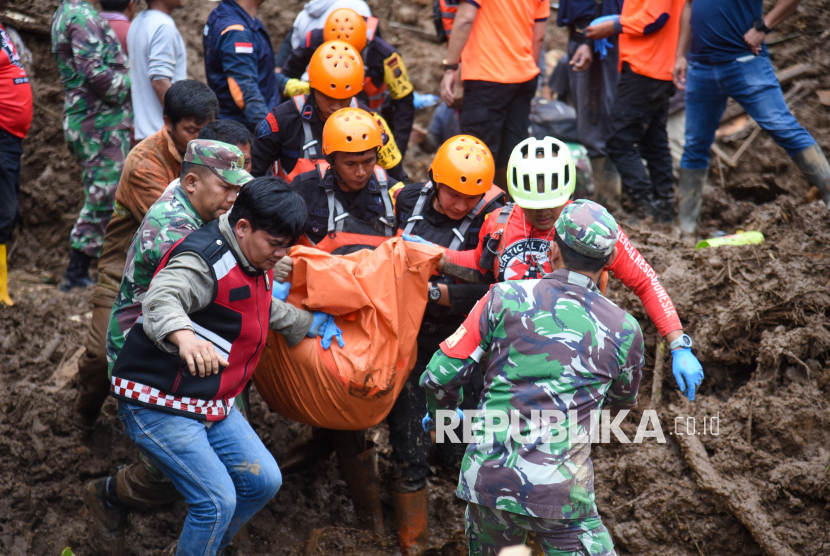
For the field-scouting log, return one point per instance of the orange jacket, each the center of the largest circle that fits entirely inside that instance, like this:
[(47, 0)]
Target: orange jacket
[(650, 29), (148, 170)]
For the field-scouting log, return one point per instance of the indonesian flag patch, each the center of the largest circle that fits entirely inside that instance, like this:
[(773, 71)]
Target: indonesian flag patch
[(244, 47)]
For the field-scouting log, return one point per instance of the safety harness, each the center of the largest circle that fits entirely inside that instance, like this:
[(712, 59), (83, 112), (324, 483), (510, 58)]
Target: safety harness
[(427, 191), (337, 214), (310, 157)]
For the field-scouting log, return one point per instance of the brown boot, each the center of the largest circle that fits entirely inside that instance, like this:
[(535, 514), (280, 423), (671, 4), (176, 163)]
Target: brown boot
[(413, 522), (310, 447), (106, 518), (143, 486), (361, 475)]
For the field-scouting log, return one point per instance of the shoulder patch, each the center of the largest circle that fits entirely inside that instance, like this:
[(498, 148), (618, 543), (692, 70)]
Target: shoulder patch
[(396, 77), (236, 27), (268, 126), (243, 47)]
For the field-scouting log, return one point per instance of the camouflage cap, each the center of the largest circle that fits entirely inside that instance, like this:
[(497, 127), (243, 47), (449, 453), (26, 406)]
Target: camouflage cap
[(226, 160), (587, 228)]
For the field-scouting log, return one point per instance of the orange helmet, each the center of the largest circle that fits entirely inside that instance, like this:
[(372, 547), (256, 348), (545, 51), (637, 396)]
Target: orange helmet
[(346, 25), (336, 70), (351, 130), (465, 164)]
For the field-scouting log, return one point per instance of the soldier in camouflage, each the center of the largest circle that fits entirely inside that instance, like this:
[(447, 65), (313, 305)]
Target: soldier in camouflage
[(212, 173), (553, 345), (170, 219), (97, 119)]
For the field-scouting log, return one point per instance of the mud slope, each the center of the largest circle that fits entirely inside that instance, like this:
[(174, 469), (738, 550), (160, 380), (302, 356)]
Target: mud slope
[(758, 314)]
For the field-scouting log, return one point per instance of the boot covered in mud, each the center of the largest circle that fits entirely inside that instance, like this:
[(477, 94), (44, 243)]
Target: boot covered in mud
[(5, 299), (413, 521), (310, 447), (361, 475), (813, 164), (690, 189), (607, 183), (77, 273), (106, 518)]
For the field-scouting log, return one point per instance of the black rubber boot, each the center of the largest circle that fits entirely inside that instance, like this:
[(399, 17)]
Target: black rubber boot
[(662, 210), (77, 273), (106, 518), (690, 188), (813, 164)]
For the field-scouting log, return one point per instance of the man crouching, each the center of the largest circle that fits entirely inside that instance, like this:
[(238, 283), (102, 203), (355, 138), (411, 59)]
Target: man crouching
[(203, 326)]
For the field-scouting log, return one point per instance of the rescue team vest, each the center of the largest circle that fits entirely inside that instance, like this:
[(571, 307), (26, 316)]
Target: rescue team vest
[(454, 239), (344, 233), (443, 16), (374, 95), (512, 256), (311, 156), (235, 322)]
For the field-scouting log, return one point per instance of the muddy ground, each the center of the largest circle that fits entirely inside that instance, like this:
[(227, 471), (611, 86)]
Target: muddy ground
[(759, 316)]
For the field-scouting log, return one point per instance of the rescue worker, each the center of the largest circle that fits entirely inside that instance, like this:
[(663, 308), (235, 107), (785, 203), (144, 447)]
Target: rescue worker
[(195, 347), (386, 76), (514, 244), (289, 138), (97, 118), (549, 345), (239, 62), (448, 210), (199, 196), (349, 208)]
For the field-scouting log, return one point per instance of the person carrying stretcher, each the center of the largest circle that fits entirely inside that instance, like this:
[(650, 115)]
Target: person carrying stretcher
[(349, 208), (448, 210), (289, 138), (514, 245)]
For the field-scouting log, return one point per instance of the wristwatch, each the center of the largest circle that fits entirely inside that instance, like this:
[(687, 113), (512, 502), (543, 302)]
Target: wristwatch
[(761, 26), (449, 66), (683, 341), (434, 293)]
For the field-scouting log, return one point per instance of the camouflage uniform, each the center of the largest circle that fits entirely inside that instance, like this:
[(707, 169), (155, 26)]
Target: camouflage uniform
[(170, 219), (97, 112), (584, 171), (551, 344)]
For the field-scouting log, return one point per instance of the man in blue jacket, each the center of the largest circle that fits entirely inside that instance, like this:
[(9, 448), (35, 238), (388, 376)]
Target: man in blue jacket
[(239, 62)]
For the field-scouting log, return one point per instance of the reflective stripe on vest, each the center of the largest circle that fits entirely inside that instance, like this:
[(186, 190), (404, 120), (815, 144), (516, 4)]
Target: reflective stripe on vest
[(374, 95)]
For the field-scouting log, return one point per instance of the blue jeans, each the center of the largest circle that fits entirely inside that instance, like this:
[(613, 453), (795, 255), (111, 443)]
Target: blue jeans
[(754, 86), (222, 469)]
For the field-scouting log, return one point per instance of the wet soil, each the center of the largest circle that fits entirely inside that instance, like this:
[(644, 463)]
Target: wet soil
[(756, 484)]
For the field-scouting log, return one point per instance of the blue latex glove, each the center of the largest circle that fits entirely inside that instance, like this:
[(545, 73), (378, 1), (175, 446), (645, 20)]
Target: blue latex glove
[(280, 291), (429, 424), (687, 371), (424, 100), (323, 327), (330, 331), (416, 239), (603, 45)]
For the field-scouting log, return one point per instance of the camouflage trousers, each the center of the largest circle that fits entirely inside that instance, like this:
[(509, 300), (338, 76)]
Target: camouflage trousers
[(584, 171), (101, 156), (489, 530)]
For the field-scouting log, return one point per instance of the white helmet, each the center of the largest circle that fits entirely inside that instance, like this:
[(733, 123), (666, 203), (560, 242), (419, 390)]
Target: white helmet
[(541, 173)]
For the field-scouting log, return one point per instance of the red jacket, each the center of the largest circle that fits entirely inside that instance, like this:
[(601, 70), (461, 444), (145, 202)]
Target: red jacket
[(522, 242), (15, 91)]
